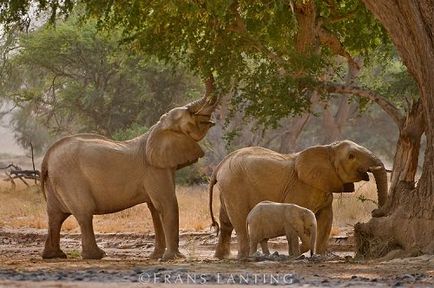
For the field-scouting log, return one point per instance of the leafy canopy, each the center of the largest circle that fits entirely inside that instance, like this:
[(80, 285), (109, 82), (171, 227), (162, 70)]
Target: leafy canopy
[(76, 79), (253, 49)]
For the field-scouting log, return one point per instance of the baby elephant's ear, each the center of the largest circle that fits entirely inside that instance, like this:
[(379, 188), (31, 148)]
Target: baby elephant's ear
[(171, 149)]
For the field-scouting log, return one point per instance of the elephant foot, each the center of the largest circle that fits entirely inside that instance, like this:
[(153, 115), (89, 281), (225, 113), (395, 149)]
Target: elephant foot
[(97, 253), (220, 256), (242, 256), (221, 253), (53, 254), (171, 255), (157, 254)]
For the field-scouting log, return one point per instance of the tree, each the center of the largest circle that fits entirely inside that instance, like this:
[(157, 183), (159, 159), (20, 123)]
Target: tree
[(75, 79), (272, 57), (29, 133), (403, 107), (408, 222), (269, 54)]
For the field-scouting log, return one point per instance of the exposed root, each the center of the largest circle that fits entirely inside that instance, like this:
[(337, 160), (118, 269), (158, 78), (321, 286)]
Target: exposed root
[(369, 246)]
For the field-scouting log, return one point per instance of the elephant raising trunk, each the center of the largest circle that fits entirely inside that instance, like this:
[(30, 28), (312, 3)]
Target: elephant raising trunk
[(207, 104), (106, 176)]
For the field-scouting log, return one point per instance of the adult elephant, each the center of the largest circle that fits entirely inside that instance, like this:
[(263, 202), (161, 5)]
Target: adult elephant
[(88, 174), (308, 178)]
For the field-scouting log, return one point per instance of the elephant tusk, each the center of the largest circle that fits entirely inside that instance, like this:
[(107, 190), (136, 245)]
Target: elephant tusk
[(375, 168)]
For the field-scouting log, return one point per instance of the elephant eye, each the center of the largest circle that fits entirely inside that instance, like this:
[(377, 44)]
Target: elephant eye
[(351, 156)]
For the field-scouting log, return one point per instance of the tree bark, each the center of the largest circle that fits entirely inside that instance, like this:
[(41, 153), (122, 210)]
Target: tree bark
[(407, 149), (288, 140), (333, 124), (407, 228)]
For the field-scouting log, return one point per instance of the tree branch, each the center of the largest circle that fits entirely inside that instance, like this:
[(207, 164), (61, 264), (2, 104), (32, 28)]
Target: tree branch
[(332, 41), (385, 104)]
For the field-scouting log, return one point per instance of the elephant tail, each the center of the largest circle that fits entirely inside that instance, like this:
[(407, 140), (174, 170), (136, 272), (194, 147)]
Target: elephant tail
[(212, 182), (44, 176)]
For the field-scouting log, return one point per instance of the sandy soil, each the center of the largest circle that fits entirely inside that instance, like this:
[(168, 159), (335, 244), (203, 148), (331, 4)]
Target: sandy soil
[(127, 265)]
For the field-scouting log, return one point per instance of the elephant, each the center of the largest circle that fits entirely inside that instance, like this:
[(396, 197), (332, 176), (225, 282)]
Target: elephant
[(308, 178), (271, 219), (88, 174)]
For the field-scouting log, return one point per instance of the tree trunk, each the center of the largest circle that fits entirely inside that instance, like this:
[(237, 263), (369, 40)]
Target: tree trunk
[(407, 149), (407, 229), (288, 140), (333, 125)]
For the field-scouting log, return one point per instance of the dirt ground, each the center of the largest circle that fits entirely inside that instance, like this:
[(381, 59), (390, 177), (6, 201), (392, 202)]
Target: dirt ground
[(127, 265)]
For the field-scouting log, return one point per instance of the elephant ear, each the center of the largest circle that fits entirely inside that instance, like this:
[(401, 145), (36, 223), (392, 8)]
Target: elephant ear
[(171, 149), (315, 167)]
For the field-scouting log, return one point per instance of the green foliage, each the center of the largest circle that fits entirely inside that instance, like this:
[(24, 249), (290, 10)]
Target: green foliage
[(131, 132), (18, 11), (191, 175), (248, 46), (28, 131), (77, 79), (390, 78), (230, 136), (357, 30)]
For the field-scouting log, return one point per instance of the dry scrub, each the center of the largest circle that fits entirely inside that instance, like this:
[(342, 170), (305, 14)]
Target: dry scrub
[(350, 208), (25, 208)]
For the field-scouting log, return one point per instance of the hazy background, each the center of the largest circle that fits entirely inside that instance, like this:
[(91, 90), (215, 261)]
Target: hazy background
[(8, 145)]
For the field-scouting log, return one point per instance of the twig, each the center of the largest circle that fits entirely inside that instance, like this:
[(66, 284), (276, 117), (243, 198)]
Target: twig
[(33, 160)]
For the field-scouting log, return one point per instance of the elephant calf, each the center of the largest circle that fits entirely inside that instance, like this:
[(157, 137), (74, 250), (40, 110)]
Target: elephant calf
[(271, 219)]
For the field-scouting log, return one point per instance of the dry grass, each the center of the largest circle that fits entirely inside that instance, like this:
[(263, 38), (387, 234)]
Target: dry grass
[(25, 208), (350, 208)]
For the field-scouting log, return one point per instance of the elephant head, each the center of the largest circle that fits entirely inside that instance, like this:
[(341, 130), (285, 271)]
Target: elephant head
[(337, 166), (305, 224), (309, 234), (172, 142)]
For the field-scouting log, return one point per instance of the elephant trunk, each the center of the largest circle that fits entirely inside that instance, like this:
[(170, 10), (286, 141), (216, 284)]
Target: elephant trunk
[(380, 176), (207, 104)]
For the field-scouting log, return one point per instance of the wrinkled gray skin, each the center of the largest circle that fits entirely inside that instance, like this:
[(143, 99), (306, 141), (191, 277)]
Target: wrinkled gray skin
[(86, 174), (307, 178), (271, 219)]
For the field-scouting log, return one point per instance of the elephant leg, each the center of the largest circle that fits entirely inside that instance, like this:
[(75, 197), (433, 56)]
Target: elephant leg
[(170, 219), (305, 244), (293, 244), (264, 247), (324, 220), (161, 189), (160, 242), (242, 237), (52, 243), (243, 243), (90, 249), (253, 244), (223, 249)]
